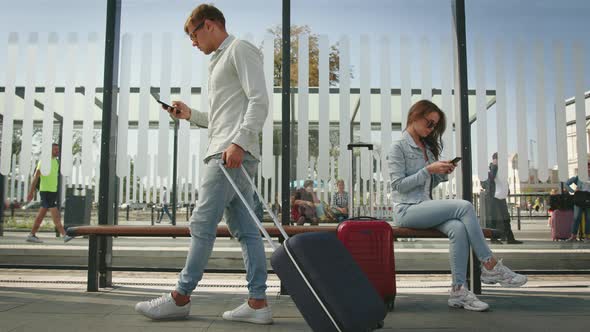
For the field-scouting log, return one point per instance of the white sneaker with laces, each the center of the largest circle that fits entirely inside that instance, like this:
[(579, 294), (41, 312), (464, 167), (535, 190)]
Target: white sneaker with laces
[(463, 298), (502, 275), (162, 308), (245, 313), (68, 238), (33, 238)]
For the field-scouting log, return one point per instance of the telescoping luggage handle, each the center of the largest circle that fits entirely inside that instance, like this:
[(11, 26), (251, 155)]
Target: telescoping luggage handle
[(351, 146), (220, 163), (267, 236)]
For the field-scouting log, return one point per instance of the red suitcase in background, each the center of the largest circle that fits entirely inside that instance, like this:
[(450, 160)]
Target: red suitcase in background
[(561, 224), (371, 245), (370, 242)]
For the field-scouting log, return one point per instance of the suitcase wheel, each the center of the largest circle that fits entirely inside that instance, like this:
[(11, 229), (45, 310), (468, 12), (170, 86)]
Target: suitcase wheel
[(378, 326), (390, 305)]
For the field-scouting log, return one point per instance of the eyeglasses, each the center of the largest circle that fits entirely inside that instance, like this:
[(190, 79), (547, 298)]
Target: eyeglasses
[(430, 124), (192, 35)]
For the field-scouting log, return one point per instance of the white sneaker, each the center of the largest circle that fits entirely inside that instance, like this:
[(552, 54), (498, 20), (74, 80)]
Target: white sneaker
[(463, 298), (244, 313), (502, 275), (34, 238), (68, 238), (163, 307)]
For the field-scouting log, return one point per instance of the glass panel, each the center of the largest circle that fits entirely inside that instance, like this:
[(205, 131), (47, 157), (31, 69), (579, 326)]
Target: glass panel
[(53, 89), (537, 63), (380, 62)]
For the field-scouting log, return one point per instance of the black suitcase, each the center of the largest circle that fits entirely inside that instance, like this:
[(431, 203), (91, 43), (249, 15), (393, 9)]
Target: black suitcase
[(327, 285), (324, 281)]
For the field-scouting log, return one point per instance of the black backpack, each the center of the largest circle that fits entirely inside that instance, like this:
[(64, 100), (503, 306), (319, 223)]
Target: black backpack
[(582, 199), (561, 202)]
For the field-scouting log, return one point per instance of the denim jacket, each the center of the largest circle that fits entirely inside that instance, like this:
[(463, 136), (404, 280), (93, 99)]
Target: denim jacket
[(408, 174), (581, 185)]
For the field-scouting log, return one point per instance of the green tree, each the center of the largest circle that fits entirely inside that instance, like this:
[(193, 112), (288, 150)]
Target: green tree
[(296, 31)]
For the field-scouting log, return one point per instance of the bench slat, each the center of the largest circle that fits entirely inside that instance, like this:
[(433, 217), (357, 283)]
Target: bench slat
[(222, 231)]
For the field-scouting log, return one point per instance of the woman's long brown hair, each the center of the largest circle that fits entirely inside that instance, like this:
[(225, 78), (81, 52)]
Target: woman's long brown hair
[(419, 111)]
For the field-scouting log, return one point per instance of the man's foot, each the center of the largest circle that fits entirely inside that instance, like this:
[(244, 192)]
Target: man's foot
[(571, 239), (513, 241), (68, 238), (502, 275), (245, 313), (162, 308), (463, 298), (33, 238), (496, 241)]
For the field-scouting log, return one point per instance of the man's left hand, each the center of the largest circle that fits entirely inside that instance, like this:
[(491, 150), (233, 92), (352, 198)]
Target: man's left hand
[(233, 156)]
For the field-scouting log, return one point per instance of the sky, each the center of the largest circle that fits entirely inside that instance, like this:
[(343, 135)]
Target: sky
[(511, 22)]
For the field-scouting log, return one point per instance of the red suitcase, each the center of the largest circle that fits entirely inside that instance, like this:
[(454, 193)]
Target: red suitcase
[(370, 241), (371, 245), (561, 224)]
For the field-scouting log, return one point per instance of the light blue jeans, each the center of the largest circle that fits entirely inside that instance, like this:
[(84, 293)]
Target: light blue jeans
[(578, 219), (455, 218), (218, 199)]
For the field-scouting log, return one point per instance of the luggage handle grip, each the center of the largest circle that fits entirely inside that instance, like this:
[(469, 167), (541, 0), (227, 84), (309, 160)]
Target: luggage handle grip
[(360, 145), (363, 218), (221, 163)]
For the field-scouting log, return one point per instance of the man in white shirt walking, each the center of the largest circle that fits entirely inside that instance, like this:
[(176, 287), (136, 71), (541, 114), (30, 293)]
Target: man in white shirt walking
[(498, 190), (238, 107), (164, 202)]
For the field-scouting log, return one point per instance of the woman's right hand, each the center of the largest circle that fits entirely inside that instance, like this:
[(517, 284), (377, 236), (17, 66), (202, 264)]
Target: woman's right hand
[(440, 167)]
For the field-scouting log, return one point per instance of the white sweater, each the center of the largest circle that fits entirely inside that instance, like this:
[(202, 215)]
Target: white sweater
[(238, 100)]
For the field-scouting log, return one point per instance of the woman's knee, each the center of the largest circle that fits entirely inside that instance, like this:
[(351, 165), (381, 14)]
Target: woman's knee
[(456, 230), (465, 205)]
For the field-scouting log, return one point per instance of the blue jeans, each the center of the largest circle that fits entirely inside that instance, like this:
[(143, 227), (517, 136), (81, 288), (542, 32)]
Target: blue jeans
[(165, 210), (578, 219), (218, 199), (455, 218)]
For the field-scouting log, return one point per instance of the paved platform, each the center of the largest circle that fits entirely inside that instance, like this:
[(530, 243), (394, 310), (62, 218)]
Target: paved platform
[(537, 253), (56, 301)]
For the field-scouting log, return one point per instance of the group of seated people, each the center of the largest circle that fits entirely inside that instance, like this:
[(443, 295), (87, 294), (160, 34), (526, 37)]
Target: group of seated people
[(307, 208)]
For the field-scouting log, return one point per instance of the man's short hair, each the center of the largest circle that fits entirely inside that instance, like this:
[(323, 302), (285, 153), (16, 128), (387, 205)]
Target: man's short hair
[(204, 12), (495, 155), (54, 144), (307, 183)]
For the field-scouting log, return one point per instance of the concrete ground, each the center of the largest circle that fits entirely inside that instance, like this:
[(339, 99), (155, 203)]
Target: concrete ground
[(56, 300), (49, 300)]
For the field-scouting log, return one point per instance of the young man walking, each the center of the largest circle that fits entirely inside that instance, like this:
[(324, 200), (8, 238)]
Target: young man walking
[(49, 197), (238, 107)]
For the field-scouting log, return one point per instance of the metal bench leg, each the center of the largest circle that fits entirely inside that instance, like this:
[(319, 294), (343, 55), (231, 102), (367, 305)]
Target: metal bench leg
[(92, 282), (105, 261), (474, 274)]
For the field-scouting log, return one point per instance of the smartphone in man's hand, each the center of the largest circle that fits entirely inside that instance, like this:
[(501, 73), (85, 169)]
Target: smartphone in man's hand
[(168, 106), (456, 160)]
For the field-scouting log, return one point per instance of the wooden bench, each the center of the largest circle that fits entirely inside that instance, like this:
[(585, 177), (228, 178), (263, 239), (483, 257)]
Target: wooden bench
[(98, 276)]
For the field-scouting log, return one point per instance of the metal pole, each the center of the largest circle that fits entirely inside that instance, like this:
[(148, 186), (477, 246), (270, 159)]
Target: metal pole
[(2, 193), (2, 199), (59, 176), (175, 173), (459, 16), (286, 114), (108, 152)]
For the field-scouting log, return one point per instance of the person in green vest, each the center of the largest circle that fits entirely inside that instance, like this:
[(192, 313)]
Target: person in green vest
[(49, 197)]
